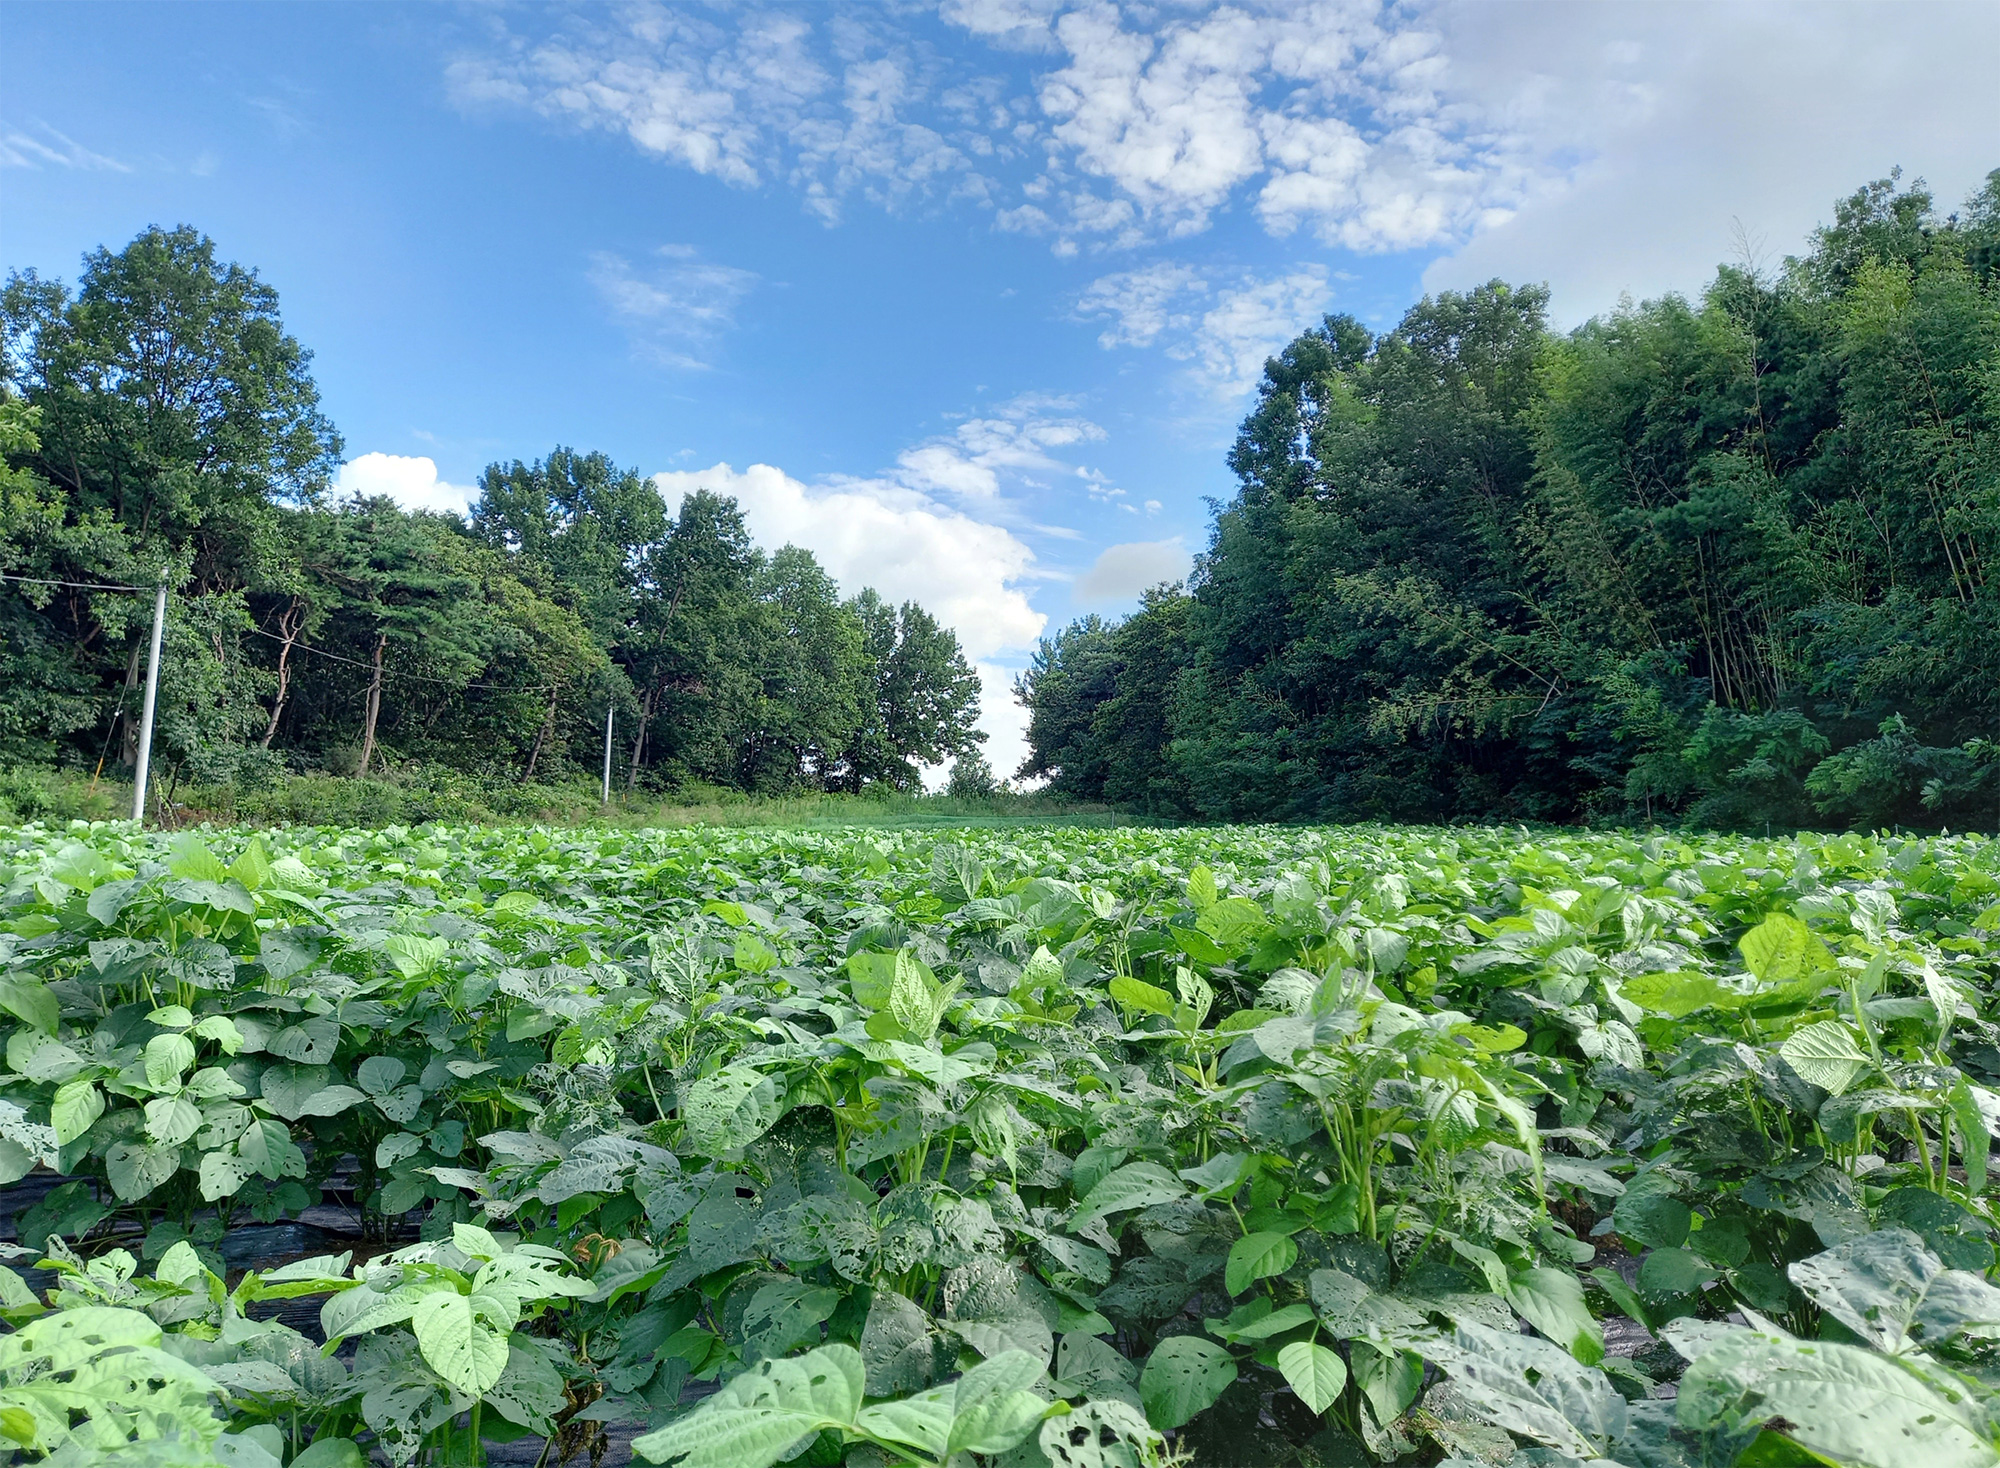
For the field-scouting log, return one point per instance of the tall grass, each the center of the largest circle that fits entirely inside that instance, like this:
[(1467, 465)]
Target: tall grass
[(431, 793)]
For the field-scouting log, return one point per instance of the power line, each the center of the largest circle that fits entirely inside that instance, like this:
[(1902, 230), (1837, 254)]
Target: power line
[(77, 585), (299, 646), (397, 673)]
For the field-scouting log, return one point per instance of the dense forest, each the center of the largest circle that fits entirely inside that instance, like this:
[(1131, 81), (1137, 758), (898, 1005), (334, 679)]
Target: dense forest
[(158, 421), (1730, 560)]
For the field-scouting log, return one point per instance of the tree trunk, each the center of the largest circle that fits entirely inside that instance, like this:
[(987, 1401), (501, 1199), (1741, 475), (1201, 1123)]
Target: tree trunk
[(639, 743), (374, 706), (128, 748), (541, 738), (289, 624)]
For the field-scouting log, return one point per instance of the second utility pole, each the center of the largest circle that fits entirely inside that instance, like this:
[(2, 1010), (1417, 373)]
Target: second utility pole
[(152, 696), (610, 710)]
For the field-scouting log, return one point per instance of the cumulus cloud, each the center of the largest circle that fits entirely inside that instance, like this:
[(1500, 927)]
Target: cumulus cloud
[(1368, 124), (965, 572), (1223, 334), (1004, 721), (411, 482), (1016, 438), (1250, 322), (1121, 572), (1138, 121), (674, 304), (743, 98), (1141, 303)]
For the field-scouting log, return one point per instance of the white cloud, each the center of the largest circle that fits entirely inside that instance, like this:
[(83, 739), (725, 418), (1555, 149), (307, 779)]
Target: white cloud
[(1373, 125), (743, 98), (965, 572), (1123, 571), (1141, 302), (412, 483), (1224, 334), (41, 145), (1667, 116), (1249, 323), (1015, 438), (1329, 113), (1335, 114), (676, 303)]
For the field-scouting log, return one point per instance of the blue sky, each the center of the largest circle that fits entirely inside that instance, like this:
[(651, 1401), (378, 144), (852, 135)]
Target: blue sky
[(967, 297)]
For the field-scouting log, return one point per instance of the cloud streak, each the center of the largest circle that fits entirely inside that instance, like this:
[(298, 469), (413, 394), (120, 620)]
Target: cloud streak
[(673, 303), (41, 146)]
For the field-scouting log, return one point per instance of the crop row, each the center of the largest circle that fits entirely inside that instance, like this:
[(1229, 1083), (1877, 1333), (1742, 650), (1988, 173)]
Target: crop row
[(1267, 1145)]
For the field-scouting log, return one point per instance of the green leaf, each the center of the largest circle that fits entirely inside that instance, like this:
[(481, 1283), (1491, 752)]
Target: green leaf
[(916, 1000), (1201, 889), (108, 901), (1847, 1404), (1655, 1219), (31, 1003), (1677, 995), (1183, 1377), (135, 1169), (457, 1343), (378, 1075), (1135, 1185), (998, 1423), (1551, 1300), (221, 1174), (167, 1056), (253, 866), (330, 1452), (763, 1412), (221, 1029), (1261, 1327), (1258, 1256), (898, 1347), (730, 1109), (871, 976), (1827, 1055), (1896, 1294), (77, 1104), (1234, 923), (1220, 1176), (1317, 1375), (1666, 1273), (922, 1421), (1622, 1295), (1139, 995), (1975, 1141), (1532, 1387), (171, 1120), (309, 1042), (286, 1088), (1781, 950), (413, 955), (268, 1147)]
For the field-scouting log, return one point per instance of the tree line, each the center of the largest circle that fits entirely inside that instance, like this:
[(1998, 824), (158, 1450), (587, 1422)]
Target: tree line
[(1733, 560), (158, 421)]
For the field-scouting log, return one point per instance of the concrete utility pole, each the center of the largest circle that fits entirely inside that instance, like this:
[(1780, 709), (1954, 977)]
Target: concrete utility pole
[(610, 712), (152, 696)]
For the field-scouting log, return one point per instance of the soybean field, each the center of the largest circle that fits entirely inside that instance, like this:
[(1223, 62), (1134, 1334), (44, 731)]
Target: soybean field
[(1092, 1148)]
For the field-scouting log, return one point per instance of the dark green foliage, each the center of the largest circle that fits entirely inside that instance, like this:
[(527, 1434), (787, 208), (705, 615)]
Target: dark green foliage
[(1727, 561), (160, 424)]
